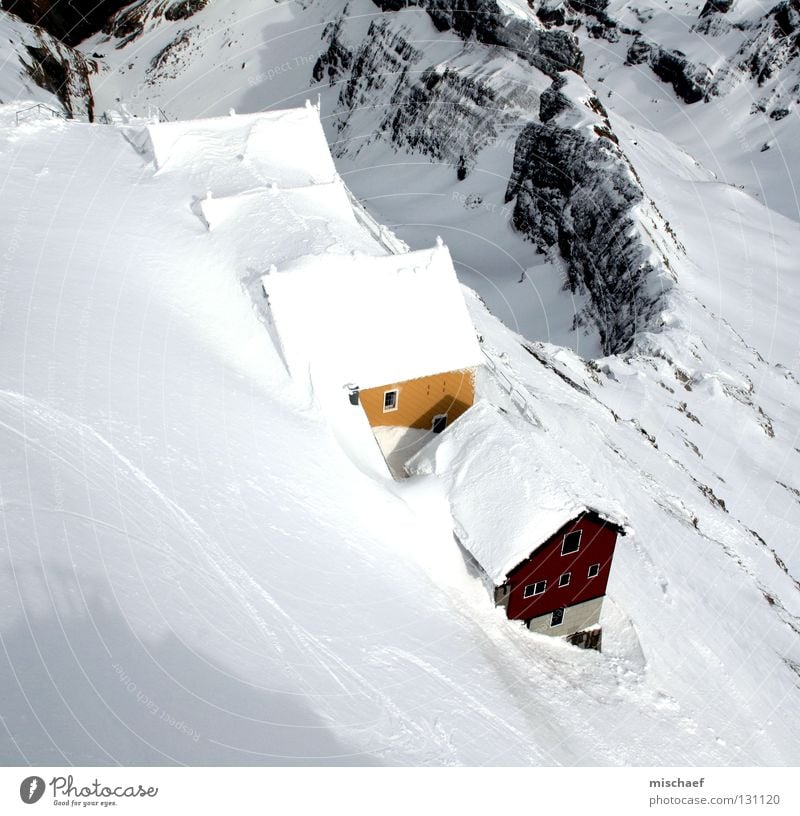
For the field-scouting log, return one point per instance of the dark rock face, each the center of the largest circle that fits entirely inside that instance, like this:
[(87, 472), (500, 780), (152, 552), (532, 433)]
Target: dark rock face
[(69, 21), (691, 81), (427, 109), (337, 59), (553, 101), (774, 43), (552, 15), (574, 194), (437, 105), (184, 9), (716, 6), (551, 51), (62, 71), (128, 24)]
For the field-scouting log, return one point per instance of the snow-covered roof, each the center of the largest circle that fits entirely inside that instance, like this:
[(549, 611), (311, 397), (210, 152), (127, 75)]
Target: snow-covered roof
[(286, 147), (370, 320), (509, 484)]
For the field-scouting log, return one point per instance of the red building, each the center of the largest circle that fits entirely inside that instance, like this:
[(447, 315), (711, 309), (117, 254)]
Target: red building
[(559, 588), (532, 519)]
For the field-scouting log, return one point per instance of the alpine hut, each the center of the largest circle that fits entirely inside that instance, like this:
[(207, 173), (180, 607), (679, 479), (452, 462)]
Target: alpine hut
[(530, 517), (390, 334)]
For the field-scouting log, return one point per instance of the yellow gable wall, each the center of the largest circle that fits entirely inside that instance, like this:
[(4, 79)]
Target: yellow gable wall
[(419, 401)]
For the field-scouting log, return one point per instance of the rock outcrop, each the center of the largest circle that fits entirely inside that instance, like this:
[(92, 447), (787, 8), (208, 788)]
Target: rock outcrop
[(549, 50), (690, 81), (434, 110), (64, 72), (574, 194), (69, 22), (35, 56)]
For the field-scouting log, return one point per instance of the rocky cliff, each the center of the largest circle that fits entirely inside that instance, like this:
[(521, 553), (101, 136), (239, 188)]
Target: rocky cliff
[(69, 22), (575, 193), (32, 57), (549, 50)]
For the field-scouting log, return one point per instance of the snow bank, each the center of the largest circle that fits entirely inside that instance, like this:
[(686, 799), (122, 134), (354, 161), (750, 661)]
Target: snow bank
[(372, 321), (510, 486), (285, 147)]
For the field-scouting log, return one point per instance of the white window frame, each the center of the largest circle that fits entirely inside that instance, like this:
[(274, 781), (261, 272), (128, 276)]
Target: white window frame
[(536, 591), (564, 542), (562, 582), (596, 568), (563, 611), (396, 392)]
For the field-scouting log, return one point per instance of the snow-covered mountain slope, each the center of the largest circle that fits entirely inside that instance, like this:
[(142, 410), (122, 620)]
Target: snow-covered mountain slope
[(720, 79), (35, 67), (203, 563)]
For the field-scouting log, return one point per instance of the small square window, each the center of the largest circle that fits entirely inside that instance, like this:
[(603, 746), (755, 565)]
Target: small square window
[(564, 579), (571, 543), (557, 618), (390, 400), (534, 589), (593, 570)]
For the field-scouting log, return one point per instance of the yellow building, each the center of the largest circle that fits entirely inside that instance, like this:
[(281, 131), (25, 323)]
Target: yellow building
[(391, 335), (424, 403)]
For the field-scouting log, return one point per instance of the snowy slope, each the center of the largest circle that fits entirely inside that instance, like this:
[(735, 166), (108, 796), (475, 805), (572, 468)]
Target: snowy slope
[(199, 565), (741, 66), (206, 562)]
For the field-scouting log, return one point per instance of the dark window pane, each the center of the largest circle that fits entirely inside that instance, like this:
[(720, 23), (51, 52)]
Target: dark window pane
[(534, 589), (571, 543)]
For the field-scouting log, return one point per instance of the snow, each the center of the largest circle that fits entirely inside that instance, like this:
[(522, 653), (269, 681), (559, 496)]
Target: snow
[(371, 321), (286, 147), (510, 487), (201, 562)]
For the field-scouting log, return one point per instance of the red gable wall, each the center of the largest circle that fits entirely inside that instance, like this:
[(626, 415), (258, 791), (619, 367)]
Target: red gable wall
[(547, 564)]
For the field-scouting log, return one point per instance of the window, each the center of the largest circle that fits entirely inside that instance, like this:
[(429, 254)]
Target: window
[(571, 543), (564, 579), (439, 423), (390, 400), (534, 589), (593, 570), (557, 618)]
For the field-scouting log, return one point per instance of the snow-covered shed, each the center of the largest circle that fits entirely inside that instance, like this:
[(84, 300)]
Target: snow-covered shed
[(284, 147), (391, 333), (530, 515)]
